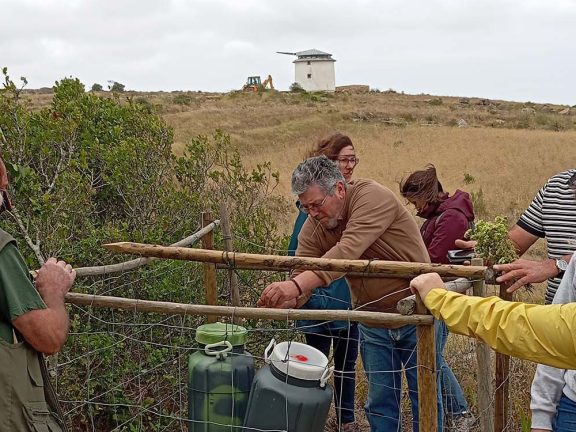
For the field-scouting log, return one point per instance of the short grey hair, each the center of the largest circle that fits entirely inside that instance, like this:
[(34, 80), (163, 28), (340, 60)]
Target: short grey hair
[(319, 171)]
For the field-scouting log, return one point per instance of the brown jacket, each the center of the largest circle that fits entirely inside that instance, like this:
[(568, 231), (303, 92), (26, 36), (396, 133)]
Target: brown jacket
[(374, 225)]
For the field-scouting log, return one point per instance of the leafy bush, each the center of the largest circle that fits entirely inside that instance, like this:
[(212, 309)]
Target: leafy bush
[(296, 88), (183, 99), (493, 243), (96, 87), (88, 170), (117, 87)]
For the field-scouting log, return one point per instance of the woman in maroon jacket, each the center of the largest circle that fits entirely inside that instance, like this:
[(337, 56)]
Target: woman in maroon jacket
[(447, 218)]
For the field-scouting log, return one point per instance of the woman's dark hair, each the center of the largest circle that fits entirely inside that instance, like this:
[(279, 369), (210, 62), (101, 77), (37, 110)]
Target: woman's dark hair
[(331, 146), (422, 184)]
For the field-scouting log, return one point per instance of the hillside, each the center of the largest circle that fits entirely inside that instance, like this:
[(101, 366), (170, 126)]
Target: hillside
[(502, 151)]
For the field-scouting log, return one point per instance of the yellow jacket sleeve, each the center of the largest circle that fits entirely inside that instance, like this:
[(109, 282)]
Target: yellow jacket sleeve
[(543, 334)]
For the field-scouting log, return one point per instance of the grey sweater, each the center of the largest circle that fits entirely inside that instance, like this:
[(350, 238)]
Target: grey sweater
[(549, 383)]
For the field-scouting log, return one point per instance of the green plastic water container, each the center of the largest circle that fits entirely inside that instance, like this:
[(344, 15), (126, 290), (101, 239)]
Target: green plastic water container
[(220, 376)]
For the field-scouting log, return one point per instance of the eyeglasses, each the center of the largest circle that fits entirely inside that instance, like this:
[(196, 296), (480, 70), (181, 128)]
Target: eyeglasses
[(348, 160), (314, 206)]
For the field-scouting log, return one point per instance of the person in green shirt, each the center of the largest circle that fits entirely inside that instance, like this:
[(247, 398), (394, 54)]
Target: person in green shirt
[(33, 321)]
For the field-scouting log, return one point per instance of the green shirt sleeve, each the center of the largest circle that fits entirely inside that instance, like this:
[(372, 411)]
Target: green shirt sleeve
[(17, 293)]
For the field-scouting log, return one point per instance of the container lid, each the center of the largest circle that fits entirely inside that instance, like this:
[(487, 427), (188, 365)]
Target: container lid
[(299, 360), (218, 332)]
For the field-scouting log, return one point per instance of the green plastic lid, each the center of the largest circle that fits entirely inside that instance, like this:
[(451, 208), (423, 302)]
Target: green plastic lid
[(218, 332)]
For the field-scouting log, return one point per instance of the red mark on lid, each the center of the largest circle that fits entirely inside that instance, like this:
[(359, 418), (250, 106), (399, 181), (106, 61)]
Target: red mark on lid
[(300, 357)]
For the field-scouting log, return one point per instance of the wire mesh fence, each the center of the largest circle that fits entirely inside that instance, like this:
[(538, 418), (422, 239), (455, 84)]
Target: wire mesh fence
[(124, 370)]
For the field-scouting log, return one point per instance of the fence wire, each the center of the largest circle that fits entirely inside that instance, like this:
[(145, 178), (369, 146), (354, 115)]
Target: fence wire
[(128, 371)]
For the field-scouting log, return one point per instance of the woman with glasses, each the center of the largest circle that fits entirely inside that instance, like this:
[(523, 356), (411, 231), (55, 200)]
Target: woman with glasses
[(341, 336), (447, 218)]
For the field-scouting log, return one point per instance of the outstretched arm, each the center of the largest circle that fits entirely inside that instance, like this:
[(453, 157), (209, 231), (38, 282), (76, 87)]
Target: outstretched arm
[(543, 334)]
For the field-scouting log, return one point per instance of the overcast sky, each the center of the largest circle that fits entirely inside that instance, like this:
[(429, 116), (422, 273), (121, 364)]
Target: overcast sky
[(519, 50)]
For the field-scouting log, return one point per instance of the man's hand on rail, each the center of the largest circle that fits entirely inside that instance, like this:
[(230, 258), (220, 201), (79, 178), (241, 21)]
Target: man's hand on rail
[(424, 283), (279, 295)]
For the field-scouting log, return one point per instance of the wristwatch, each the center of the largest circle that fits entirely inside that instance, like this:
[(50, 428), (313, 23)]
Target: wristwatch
[(561, 265)]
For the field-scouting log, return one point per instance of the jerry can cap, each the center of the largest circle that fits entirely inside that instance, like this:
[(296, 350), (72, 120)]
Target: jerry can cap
[(298, 360), (218, 332)]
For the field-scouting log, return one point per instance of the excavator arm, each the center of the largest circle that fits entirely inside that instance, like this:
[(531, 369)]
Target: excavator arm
[(268, 82)]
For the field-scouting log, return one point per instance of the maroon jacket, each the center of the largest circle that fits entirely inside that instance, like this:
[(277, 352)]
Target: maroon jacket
[(445, 223)]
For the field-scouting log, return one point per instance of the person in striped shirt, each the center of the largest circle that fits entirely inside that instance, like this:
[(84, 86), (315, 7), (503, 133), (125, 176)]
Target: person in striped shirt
[(551, 215)]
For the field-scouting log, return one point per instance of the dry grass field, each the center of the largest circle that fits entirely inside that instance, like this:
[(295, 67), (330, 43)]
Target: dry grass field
[(506, 151), (503, 153)]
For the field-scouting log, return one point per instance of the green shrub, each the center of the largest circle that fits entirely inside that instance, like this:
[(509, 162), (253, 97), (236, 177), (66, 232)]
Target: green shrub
[(88, 170), (296, 88), (183, 99), (469, 178), (493, 243), (116, 87)]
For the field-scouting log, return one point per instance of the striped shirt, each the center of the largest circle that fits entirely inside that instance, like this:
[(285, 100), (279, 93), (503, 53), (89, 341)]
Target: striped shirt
[(552, 215)]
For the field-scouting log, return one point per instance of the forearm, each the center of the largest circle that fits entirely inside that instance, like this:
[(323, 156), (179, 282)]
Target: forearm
[(308, 281), (533, 332), (521, 239)]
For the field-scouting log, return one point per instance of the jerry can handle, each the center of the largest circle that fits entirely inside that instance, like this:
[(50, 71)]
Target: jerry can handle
[(326, 376), (220, 353), (268, 350)]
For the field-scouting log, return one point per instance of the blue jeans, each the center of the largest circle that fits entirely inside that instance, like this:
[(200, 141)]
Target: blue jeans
[(452, 394), (384, 353), (345, 348), (565, 415)]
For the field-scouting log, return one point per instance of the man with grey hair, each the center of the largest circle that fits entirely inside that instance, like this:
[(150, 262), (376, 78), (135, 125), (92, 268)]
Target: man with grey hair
[(362, 220)]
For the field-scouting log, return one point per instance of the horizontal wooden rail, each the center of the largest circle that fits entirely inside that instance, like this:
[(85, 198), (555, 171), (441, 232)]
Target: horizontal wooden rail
[(245, 260), (139, 262), (385, 319), (407, 306)]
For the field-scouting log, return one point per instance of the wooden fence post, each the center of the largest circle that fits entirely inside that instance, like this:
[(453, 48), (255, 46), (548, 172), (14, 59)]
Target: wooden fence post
[(502, 381), (427, 383), (485, 388), (209, 270), (228, 246)]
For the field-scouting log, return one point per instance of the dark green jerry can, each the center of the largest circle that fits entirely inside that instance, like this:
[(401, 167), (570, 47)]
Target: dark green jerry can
[(220, 376)]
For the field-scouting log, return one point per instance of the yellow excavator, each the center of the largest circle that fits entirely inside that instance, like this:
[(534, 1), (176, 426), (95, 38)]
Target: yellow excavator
[(254, 84)]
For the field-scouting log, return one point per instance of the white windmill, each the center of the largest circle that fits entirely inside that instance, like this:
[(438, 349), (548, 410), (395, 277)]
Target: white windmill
[(314, 70)]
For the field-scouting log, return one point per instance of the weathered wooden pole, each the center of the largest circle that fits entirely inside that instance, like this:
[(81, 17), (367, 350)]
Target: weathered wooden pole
[(502, 380), (139, 262), (245, 260), (485, 388), (228, 246), (136, 305), (427, 374), (209, 270)]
